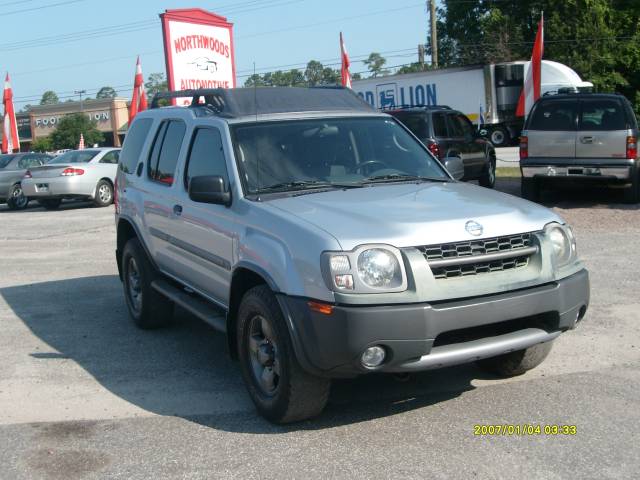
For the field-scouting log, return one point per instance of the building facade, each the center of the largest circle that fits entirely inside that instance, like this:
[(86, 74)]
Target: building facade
[(110, 114)]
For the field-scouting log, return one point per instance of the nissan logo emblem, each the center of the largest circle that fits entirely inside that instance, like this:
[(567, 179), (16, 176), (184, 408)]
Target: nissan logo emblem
[(474, 228)]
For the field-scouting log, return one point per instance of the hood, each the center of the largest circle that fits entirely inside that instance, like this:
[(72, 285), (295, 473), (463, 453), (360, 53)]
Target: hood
[(415, 214)]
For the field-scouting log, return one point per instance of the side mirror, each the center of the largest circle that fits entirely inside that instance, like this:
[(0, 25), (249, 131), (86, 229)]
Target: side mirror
[(209, 189), (454, 166)]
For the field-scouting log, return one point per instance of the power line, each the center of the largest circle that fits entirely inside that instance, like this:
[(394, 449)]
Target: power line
[(41, 7)]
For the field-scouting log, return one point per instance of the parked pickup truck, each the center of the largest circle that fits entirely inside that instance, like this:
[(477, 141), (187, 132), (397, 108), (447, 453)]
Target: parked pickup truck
[(326, 241)]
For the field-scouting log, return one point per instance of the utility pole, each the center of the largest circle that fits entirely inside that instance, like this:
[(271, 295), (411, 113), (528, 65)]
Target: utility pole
[(421, 56), (80, 92), (434, 33)]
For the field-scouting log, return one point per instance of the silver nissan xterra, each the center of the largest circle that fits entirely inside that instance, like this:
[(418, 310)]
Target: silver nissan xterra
[(326, 241)]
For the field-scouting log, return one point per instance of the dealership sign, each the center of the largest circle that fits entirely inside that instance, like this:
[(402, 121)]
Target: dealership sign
[(198, 49)]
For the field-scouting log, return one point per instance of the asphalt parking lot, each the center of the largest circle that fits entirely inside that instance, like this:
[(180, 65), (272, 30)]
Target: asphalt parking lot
[(83, 394)]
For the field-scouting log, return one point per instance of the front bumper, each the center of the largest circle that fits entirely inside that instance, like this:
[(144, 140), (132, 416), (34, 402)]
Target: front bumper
[(57, 187), (424, 336)]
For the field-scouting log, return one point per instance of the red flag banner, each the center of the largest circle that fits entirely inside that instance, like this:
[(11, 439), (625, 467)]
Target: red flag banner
[(344, 71), (10, 139), (532, 81), (139, 98)]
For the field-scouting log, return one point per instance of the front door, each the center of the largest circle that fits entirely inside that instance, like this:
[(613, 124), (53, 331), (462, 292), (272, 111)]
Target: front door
[(205, 231)]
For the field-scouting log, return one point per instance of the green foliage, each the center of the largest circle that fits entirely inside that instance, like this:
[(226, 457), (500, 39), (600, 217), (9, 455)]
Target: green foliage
[(314, 74), (67, 133), (42, 144), (156, 82), (414, 67), (599, 39), (106, 92), (49, 98), (375, 64)]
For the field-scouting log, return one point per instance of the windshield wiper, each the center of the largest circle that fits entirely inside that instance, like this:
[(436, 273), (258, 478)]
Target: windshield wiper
[(305, 184), (401, 177)]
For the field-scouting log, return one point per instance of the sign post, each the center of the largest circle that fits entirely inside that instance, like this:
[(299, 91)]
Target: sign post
[(198, 48)]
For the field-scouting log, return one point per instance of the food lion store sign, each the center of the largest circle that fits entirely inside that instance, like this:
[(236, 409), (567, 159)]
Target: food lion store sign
[(51, 121), (198, 50)]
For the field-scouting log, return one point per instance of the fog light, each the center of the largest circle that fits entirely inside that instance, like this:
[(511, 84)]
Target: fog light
[(373, 356), (344, 281)]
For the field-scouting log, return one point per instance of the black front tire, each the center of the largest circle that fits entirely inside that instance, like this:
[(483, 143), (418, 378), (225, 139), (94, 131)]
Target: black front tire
[(297, 394), (488, 177), (148, 308), (17, 200), (516, 363), (51, 203), (104, 194), (530, 189)]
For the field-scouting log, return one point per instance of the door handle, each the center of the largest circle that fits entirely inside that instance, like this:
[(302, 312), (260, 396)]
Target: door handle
[(586, 139), (177, 209)]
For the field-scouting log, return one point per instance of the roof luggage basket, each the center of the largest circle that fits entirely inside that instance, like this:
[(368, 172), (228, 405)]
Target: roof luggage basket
[(238, 102), (408, 107)]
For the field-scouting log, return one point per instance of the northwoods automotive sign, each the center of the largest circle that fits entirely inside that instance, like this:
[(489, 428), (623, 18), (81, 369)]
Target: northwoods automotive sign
[(198, 50)]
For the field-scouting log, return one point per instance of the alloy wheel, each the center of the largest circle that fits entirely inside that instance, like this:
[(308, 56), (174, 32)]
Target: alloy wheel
[(264, 355), (134, 285)]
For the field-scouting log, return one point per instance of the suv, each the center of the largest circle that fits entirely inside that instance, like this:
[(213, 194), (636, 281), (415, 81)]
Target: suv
[(12, 168), (326, 241), (449, 133), (582, 137)]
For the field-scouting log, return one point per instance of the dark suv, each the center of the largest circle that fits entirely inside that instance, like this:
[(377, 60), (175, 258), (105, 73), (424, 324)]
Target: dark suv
[(587, 138), (449, 133)]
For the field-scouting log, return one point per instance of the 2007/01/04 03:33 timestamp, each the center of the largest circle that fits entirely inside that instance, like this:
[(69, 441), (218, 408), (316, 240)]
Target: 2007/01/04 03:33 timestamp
[(524, 429)]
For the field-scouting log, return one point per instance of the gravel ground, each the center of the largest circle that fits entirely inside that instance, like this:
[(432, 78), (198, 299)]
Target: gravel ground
[(83, 394)]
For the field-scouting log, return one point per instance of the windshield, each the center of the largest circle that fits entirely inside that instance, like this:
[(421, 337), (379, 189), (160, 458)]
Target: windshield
[(75, 156), (5, 159), (300, 154)]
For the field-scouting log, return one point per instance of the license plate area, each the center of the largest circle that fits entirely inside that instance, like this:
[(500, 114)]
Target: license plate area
[(42, 187)]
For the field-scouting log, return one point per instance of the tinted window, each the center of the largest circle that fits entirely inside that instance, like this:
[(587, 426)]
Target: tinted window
[(75, 156), (133, 143), (168, 158), (455, 128), (439, 125), (557, 115), (206, 156), (111, 157), (602, 114), (465, 125), (417, 123)]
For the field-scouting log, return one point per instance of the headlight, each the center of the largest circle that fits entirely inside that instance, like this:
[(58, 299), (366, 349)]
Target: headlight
[(562, 242), (379, 268), (366, 269)]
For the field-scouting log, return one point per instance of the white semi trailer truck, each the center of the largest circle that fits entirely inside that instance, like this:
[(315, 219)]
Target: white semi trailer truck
[(487, 94)]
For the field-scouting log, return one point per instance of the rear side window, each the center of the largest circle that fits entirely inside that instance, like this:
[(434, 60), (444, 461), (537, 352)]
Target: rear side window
[(454, 126), (111, 157), (602, 114), (206, 156), (133, 143), (557, 115), (439, 125), (166, 148), (29, 161), (416, 123)]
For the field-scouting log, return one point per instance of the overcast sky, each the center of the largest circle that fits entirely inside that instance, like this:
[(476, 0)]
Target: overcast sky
[(67, 45)]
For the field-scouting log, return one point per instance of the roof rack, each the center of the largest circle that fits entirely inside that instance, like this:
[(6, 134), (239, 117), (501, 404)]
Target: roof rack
[(421, 107), (238, 102)]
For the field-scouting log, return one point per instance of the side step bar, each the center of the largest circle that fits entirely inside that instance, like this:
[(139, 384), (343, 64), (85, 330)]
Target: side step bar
[(192, 303)]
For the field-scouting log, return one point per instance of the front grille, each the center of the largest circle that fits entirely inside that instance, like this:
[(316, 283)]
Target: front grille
[(475, 257)]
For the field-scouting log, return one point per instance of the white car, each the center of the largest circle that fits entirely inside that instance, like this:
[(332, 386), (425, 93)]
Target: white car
[(88, 174)]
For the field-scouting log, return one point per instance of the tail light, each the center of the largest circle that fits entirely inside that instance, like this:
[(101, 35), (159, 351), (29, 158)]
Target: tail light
[(632, 148), (434, 148), (524, 147), (72, 172), (27, 174)]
